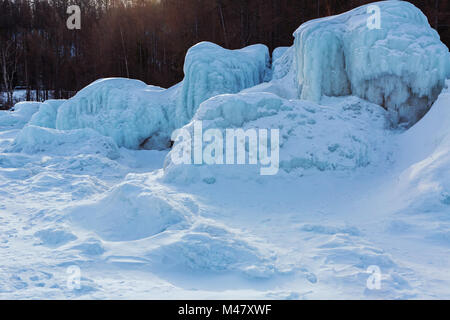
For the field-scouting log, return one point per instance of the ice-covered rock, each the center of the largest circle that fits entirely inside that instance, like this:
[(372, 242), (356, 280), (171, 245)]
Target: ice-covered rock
[(21, 114), (211, 70), (402, 65), (32, 139), (132, 113)]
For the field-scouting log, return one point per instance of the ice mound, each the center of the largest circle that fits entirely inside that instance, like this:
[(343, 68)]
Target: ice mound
[(132, 211), (32, 139), (23, 111), (130, 112), (401, 66), (211, 70), (346, 134), (46, 116)]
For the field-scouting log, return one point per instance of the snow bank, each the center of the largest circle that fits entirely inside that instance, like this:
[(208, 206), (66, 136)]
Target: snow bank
[(23, 111), (130, 112), (401, 66), (46, 116), (348, 133), (211, 70), (32, 139)]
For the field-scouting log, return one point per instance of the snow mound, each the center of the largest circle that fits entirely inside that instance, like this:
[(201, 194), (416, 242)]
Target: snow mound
[(46, 116), (130, 112), (33, 139), (23, 111), (211, 70), (348, 133), (402, 65), (131, 211), (211, 248)]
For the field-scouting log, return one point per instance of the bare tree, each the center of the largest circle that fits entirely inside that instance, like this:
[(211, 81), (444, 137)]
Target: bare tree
[(9, 58)]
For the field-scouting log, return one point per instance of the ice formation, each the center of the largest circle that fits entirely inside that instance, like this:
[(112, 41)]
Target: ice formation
[(346, 135), (402, 65), (46, 115), (283, 82), (129, 111), (211, 70), (278, 53), (139, 116)]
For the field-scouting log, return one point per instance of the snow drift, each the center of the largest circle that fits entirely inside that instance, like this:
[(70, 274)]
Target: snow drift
[(211, 70), (401, 66)]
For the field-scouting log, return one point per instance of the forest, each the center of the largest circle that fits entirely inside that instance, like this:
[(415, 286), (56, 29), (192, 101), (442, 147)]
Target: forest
[(145, 39)]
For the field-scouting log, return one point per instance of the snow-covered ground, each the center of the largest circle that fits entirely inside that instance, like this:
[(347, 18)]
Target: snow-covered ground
[(80, 192)]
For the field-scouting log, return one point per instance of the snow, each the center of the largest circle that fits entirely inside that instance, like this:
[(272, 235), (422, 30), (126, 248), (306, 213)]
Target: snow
[(211, 70), (401, 66), (351, 195)]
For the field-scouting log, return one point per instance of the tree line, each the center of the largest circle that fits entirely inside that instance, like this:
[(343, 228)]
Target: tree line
[(146, 39)]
